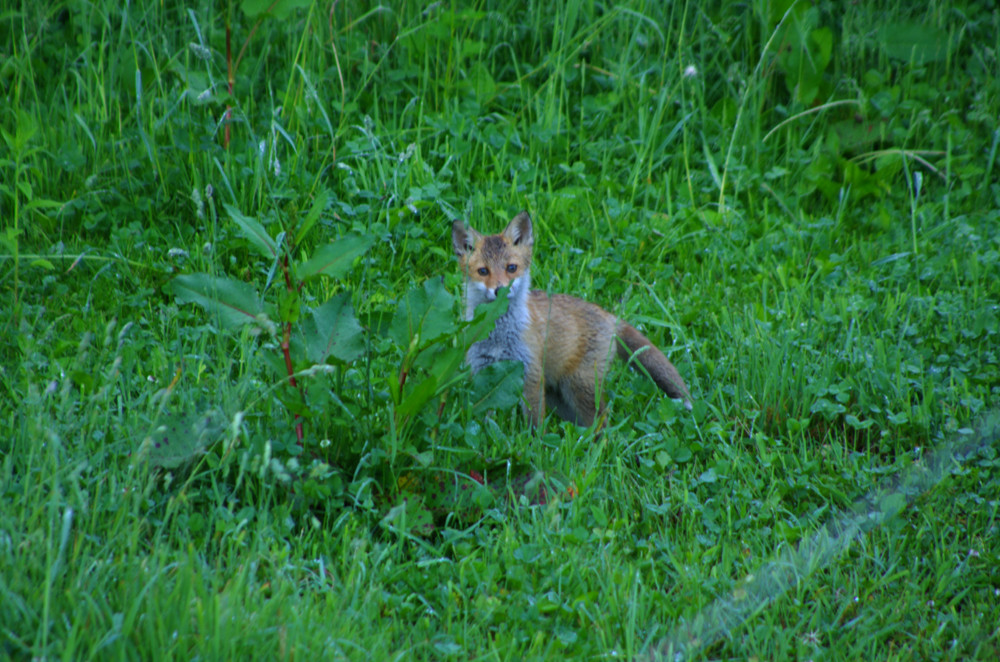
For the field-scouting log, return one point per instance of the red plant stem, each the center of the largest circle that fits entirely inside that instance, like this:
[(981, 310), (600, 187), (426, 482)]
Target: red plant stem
[(287, 272), (286, 350)]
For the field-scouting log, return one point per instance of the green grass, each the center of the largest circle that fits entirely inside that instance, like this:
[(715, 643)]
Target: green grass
[(801, 208)]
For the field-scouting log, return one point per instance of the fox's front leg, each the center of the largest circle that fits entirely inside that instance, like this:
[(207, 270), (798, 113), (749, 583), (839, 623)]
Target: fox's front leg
[(534, 395)]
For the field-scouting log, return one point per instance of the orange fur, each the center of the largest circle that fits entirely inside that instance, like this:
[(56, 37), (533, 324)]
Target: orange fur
[(565, 343)]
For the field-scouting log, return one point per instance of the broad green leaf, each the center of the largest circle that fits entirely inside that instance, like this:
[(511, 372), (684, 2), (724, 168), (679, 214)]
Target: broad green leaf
[(254, 232), (9, 239), (682, 454), (424, 459), (410, 516), (27, 127), (289, 305), (497, 386), (25, 188), (182, 437), (418, 396), (482, 81), (235, 302), (917, 42), (471, 47), (821, 40), (890, 505), (426, 314), (39, 203), (775, 10), (83, 380), (899, 419), (855, 136), (319, 204), (443, 360), (334, 260), (485, 319), (332, 330), (857, 423)]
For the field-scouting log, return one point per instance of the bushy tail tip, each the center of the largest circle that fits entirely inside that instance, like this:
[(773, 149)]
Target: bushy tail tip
[(657, 365)]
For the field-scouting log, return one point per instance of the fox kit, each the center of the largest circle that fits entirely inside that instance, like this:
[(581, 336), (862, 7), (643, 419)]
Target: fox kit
[(564, 343)]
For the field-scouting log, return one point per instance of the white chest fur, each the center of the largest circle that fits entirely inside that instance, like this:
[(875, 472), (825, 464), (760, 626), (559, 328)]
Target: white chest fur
[(505, 342)]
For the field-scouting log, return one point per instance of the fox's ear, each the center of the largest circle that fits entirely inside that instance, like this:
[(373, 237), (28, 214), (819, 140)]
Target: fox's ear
[(462, 240), (519, 230)]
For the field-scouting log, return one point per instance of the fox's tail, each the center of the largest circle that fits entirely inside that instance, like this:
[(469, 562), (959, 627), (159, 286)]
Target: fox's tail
[(659, 367)]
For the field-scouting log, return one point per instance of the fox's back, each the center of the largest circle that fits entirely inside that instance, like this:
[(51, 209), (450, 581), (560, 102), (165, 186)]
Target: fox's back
[(568, 332)]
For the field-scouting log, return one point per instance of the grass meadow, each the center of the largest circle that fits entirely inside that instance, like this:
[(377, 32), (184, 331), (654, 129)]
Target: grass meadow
[(234, 419)]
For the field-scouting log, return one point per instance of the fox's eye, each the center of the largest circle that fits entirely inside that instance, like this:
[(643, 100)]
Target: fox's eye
[(483, 271), (511, 268)]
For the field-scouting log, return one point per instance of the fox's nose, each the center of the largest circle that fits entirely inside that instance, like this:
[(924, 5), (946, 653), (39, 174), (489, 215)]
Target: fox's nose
[(491, 294)]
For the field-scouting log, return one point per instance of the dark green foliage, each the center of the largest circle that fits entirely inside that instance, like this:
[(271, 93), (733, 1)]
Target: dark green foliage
[(797, 201)]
